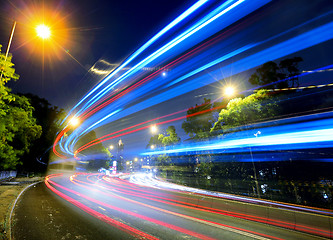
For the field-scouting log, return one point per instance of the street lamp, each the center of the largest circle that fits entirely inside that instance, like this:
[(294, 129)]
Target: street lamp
[(229, 91), (152, 146), (74, 121), (111, 147), (43, 31), (153, 129)]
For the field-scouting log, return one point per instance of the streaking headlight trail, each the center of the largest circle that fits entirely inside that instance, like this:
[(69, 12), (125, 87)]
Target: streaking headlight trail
[(210, 41)]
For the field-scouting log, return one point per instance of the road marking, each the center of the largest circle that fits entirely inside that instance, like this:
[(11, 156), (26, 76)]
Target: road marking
[(102, 208)]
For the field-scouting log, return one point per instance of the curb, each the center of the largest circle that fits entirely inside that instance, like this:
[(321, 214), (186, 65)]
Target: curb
[(12, 210)]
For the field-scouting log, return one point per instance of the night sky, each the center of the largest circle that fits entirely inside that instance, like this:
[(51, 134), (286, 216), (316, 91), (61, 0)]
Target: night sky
[(88, 31)]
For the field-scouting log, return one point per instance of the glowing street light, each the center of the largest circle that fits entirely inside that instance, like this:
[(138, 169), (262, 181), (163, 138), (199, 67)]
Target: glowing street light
[(111, 147), (43, 31), (153, 129), (152, 146), (229, 91), (135, 159), (74, 121)]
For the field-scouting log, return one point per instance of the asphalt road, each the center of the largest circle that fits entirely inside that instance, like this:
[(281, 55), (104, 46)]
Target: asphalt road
[(93, 207)]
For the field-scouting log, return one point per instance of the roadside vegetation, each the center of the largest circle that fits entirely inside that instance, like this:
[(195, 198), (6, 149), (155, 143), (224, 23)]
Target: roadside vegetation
[(288, 176), (28, 125)]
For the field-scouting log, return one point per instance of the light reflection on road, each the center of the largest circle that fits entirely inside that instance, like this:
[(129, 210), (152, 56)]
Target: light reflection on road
[(147, 208)]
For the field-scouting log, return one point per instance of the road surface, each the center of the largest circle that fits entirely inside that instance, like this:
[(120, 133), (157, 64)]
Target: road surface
[(93, 206)]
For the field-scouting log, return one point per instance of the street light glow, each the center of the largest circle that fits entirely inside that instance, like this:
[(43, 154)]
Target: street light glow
[(229, 91), (74, 121), (43, 31), (153, 128)]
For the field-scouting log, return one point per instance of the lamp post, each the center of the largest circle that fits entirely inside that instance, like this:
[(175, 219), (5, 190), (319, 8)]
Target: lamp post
[(42, 31), (8, 47)]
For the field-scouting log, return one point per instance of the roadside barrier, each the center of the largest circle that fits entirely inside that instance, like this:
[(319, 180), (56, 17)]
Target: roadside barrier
[(7, 174)]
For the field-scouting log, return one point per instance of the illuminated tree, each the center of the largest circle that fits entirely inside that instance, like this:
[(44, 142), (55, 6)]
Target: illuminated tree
[(200, 119), (171, 138), (18, 127), (242, 111)]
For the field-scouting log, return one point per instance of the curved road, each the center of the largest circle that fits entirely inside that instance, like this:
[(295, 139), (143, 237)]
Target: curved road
[(98, 207)]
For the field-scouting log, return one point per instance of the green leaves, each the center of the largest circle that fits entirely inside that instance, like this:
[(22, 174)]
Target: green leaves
[(18, 128), (241, 111), (199, 120)]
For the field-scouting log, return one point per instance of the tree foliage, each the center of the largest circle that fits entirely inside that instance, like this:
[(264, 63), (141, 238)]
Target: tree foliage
[(200, 119), (171, 138), (18, 127), (241, 111), (161, 140), (270, 74), (49, 118)]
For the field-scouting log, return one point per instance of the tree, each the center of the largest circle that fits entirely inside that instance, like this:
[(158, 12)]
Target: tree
[(155, 141), (241, 111), (164, 140), (289, 69), (172, 137), (270, 73), (49, 118), (160, 140), (266, 75), (18, 127), (200, 119), (7, 74), (17, 131)]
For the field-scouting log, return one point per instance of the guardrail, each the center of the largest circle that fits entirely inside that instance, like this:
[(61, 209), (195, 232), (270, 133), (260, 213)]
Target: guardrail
[(7, 174)]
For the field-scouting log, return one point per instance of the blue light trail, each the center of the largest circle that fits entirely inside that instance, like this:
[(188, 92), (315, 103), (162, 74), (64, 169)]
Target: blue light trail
[(209, 46), (309, 132)]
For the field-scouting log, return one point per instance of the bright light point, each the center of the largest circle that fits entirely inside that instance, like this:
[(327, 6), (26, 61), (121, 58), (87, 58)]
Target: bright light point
[(136, 159), (111, 147), (74, 122), (43, 31), (152, 146), (164, 74), (229, 91), (127, 163), (153, 129)]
